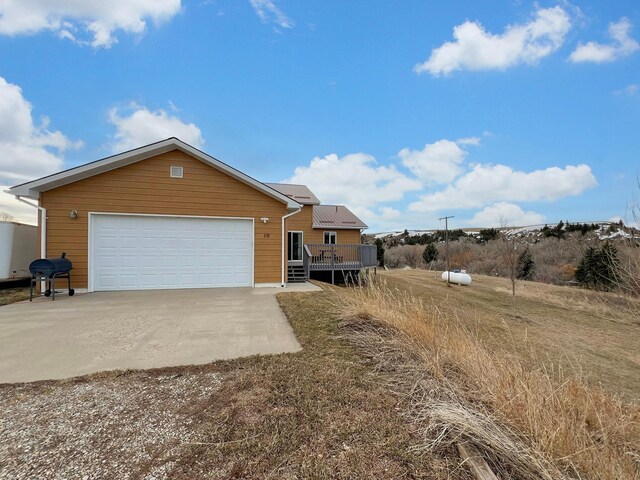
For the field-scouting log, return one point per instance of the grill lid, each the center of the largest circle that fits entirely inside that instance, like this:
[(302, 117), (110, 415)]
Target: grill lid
[(50, 266)]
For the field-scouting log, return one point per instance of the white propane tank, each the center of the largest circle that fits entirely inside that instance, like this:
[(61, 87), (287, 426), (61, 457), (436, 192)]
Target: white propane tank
[(457, 277)]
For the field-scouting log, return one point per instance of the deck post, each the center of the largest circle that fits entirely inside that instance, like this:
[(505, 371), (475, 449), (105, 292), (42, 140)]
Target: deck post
[(333, 282)]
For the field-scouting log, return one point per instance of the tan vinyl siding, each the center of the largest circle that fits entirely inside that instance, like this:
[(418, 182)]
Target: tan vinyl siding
[(145, 187), (303, 221), (348, 237)]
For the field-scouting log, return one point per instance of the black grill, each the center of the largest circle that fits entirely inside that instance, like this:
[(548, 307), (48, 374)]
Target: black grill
[(48, 270)]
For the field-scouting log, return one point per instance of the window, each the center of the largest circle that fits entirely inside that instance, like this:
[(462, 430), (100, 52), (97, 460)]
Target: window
[(176, 172), (330, 238)]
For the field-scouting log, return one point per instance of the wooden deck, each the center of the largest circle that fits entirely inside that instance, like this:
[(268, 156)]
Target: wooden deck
[(324, 257)]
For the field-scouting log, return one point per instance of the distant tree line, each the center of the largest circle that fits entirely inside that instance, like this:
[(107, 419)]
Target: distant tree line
[(427, 238), (561, 229), (593, 262)]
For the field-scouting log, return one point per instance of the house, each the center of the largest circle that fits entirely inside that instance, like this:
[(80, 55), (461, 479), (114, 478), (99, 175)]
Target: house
[(168, 215), (320, 237)]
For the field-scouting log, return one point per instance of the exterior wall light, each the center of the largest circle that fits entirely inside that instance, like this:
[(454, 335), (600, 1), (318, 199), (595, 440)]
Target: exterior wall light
[(73, 214), (265, 220)]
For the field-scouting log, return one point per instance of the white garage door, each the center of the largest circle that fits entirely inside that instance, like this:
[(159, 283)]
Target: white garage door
[(130, 252)]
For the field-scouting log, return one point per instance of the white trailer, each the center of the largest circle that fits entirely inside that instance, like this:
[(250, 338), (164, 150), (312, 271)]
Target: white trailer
[(18, 248)]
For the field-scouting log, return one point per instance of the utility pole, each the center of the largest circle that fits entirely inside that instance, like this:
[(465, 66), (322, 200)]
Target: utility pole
[(446, 242)]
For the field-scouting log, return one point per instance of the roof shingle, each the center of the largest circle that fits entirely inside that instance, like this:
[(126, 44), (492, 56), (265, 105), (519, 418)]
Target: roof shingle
[(299, 193), (335, 216)]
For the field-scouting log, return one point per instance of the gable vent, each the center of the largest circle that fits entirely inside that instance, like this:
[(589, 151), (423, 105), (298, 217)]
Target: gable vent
[(176, 172)]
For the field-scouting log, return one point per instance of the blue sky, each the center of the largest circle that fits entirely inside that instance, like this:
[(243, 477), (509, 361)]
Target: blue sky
[(497, 111)]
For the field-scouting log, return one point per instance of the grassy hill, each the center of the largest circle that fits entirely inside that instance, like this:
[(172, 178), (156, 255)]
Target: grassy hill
[(549, 390), (592, 333)]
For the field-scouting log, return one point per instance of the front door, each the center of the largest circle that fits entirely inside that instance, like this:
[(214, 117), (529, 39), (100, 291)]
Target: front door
[(295, 247)]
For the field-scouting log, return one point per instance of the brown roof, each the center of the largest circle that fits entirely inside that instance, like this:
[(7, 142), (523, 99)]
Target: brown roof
[(335, 216), (299, 193)]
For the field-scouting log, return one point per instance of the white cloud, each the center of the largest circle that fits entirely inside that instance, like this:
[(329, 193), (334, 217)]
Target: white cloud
[(494, 183), (438, 162), (71, 19), (505, 214), (476, 49), (356, 181), (27, 150), (630, 90), (375, 192), (389, 213), (269, 12), (475, 141), (622, 45), (141, 126)]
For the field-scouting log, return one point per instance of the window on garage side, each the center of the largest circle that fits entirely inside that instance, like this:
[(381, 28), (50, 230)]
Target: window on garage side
[(330, 238)]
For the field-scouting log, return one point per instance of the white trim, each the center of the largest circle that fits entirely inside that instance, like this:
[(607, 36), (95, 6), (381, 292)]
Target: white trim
[(335, 227), (302, 247), (42, 223), (32, 189), (268, 285), (90, 234), (212, 217), (283, 253), (335, 234)]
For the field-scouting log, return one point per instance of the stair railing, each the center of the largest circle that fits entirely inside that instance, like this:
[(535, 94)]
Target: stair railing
[(306, 260)]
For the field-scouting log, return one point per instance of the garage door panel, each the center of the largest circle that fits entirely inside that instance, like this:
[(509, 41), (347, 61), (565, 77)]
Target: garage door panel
[(128, 280), (107, 280), (136, 252)]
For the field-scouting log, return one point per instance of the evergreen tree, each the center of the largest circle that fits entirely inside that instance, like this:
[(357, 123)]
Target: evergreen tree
[(584, 229), (380, 252), (487, 234), (526, 266), (430, 253), (599, 268), (558, 231), (585, 273)]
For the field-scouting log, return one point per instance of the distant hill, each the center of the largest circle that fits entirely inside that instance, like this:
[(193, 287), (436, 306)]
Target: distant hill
[(556, 250), (604, 230)]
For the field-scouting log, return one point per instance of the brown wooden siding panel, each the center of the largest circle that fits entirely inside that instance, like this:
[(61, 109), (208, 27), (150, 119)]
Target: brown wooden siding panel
[(146, 187), (303, 222)]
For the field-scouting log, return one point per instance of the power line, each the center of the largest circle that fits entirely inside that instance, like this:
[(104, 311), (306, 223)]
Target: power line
[(446, 240)]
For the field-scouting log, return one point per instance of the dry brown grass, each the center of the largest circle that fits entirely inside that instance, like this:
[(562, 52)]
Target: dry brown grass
[(320, 413), (12, 295), (592, 332), (528, 421)]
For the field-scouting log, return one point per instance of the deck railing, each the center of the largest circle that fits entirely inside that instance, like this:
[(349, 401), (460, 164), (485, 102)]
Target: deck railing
[(338, 257)]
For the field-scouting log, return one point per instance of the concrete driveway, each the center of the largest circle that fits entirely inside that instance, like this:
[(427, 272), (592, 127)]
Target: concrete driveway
[(143, 329)]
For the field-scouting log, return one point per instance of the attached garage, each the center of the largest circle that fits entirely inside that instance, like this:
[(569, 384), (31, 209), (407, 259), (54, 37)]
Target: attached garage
[(142, 252), (162, 216)]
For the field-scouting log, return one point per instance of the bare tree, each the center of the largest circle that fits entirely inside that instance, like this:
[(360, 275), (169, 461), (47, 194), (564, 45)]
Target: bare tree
[(6, 217), (629, 268), (412, 255), (509, 256), (404, 255)]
